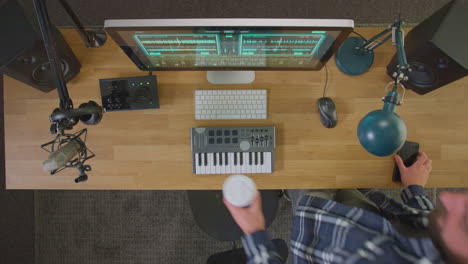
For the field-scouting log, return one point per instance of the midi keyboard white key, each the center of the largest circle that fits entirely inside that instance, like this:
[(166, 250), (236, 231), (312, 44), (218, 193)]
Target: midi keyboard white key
[(230, 168), (216, 163), (254, 166), (236, 168), (267, 164), (241, 161), (233, 162), (245, 162), (258, 168), (222, 163), (210, 169), (263, 162)]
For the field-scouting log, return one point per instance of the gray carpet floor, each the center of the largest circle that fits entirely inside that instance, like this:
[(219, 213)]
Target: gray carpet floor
[(131, 227), (127, 227), (364, 12)]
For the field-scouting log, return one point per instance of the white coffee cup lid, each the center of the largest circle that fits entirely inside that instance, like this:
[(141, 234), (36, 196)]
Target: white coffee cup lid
[(239, 190)]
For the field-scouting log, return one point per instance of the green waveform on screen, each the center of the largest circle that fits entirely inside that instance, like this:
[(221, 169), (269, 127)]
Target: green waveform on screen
[(248, 41), (174, 41)]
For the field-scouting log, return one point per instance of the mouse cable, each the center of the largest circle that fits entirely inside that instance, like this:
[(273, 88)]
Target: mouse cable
[(326, 81), (326, 69)]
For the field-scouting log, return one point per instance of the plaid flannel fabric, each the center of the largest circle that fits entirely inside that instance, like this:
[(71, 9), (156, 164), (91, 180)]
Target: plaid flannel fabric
[(326, 231)]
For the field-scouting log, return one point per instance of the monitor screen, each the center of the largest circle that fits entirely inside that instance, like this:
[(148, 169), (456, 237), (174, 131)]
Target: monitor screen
[(229, 44)]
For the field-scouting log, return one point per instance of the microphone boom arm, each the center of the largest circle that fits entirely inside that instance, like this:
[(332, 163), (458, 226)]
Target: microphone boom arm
[(65, 117), (93, 38), (49, 44)]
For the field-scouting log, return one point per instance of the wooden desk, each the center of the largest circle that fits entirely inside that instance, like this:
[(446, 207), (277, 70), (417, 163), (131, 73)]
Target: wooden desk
[(151, 149)]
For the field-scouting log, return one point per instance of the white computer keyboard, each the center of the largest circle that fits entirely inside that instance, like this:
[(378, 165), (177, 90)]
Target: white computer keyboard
[(230, 104)]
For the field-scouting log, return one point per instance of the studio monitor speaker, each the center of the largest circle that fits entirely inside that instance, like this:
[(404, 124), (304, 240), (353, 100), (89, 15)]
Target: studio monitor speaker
[(22, 53), (437, 49)]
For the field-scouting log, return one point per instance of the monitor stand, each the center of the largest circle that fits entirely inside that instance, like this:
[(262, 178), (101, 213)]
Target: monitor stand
[(230, 77)]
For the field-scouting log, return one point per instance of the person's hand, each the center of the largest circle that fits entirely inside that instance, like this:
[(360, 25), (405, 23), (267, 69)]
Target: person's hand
[(416, 174), (250, 219)]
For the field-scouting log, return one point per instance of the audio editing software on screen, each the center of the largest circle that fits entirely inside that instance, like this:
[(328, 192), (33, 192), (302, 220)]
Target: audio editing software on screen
[(231, 49)]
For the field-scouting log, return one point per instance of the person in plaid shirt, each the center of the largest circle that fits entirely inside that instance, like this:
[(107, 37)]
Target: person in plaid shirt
[(366, 226)]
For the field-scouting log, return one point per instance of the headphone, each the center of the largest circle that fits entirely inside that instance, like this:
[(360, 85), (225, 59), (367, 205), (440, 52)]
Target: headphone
[(89, 113)]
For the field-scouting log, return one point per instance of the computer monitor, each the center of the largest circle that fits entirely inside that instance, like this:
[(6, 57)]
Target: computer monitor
[(229, 48)]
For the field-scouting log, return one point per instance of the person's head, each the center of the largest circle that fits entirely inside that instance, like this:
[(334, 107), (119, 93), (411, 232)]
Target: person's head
[(449, 226)]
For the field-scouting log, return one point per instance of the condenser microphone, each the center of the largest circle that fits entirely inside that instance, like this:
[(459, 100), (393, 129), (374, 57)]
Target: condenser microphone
[(68, 151), (62, 156)]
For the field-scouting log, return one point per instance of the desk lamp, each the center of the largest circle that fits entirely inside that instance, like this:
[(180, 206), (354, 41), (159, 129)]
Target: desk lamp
[(67, 150), (380, 132)]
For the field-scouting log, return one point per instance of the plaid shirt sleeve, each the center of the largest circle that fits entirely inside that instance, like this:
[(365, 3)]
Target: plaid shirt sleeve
[(414, 196), (416, 204), (259, 249), (325, 231)]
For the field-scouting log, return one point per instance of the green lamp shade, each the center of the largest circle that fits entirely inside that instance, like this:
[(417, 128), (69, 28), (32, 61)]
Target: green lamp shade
[(382, 132)]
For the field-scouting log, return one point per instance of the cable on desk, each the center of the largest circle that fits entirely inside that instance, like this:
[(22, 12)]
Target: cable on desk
[(326, 81), (326, 68), (150, 73), (359, 35)]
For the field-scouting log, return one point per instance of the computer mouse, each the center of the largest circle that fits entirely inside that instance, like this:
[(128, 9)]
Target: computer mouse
[(327, 111)]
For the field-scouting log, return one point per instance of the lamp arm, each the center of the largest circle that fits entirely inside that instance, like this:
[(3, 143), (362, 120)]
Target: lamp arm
[(374, 43), (396, 36), (403, 67)]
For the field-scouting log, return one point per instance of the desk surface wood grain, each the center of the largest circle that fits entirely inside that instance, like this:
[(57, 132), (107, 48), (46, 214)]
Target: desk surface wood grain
[(150, 149)]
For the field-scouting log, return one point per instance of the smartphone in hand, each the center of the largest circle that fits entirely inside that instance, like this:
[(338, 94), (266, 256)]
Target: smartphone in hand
[(409, 155)]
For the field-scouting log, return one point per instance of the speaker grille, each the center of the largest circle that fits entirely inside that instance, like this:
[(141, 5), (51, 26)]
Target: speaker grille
[(42, 74), (422, 75)]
